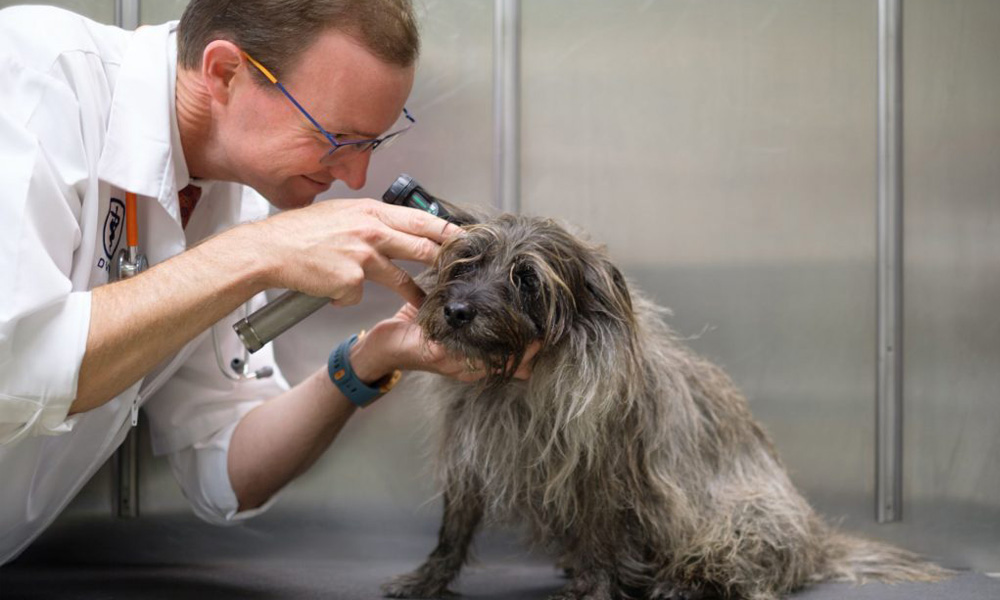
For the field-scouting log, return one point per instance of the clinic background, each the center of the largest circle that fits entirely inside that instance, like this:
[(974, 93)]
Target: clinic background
[(725, 151)]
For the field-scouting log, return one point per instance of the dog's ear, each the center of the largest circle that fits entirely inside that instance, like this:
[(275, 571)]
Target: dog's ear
[(461, 216), (609, 290), (466, 215)]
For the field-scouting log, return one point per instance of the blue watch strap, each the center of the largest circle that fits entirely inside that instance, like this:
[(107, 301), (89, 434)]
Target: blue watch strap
[(342, 375)]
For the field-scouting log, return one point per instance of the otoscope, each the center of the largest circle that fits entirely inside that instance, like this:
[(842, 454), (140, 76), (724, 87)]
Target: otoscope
[(270, 321)]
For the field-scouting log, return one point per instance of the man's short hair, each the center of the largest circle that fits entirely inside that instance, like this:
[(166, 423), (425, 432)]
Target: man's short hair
[(277, 32)]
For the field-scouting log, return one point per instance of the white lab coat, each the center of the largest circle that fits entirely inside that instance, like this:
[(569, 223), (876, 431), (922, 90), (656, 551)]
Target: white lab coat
[(86, 113)]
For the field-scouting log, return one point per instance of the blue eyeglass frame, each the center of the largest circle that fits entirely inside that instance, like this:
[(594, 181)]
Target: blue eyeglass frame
[(360, 145)]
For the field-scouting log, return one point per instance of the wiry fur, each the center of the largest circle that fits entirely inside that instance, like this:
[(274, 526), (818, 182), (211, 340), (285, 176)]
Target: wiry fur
[(633, 459)]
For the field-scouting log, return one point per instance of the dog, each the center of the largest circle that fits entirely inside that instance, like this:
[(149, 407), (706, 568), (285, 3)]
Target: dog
[(635, 461)]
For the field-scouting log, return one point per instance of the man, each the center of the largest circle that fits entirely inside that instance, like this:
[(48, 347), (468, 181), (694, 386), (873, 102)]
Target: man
[(89, 113)]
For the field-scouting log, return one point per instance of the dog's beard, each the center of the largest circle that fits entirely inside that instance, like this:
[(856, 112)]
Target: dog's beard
[(497, 338)]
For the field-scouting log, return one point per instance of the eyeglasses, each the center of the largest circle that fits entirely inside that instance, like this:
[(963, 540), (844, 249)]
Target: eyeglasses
[(352, 147)]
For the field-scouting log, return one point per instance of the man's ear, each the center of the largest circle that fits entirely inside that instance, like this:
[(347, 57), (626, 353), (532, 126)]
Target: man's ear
[(220, 62)]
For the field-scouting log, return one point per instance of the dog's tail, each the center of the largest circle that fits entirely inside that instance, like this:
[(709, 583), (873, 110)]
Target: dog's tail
[(859, 560)]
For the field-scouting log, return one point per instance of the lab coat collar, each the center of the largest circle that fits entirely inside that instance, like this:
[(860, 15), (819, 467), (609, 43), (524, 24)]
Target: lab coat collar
[(142, 151)]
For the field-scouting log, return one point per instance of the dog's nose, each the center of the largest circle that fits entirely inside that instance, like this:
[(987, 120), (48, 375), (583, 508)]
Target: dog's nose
[(459, 313)]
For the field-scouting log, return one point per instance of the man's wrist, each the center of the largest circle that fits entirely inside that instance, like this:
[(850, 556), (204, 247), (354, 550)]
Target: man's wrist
[(236, 248), (366, 361), (352, 384)]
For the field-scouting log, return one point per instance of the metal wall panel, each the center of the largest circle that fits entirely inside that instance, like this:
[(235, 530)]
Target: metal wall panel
[(152, 12), (951, 342), (725, 152), (98, 10)]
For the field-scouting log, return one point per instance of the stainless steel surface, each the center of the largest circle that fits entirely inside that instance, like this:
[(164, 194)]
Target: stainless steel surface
[(506, 105), (128, 263), (152, 12), (280, 314), (102, 11), (127, 13), (125, 466), (174, 557), (889, 392), (951, 365)]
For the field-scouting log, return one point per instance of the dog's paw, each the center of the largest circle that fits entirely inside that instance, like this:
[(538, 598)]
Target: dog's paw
[(416, 585)]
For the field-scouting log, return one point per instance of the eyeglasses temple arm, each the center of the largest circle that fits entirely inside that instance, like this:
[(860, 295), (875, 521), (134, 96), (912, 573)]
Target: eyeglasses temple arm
[(277, 83)]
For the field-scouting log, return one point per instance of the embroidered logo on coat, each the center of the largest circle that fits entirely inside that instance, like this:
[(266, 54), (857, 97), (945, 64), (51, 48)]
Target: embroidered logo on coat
[(113, 227)]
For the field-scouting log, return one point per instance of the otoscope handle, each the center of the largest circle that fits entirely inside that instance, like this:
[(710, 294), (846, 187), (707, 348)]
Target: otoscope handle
[(275, 318), (272, 320)]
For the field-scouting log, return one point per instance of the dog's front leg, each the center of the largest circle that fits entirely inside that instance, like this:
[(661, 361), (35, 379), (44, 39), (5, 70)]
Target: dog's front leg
[(589, 583), (431, 579), (590, 562)]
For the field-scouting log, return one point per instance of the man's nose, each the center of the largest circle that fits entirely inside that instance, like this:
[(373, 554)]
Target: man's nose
[(352, 169)]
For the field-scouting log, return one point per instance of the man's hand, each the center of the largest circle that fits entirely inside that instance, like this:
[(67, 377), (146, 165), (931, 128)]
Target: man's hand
[(399, 343), (330, 248)]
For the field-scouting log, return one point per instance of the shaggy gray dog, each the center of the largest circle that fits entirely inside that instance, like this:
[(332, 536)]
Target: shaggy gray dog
[(635, 461)]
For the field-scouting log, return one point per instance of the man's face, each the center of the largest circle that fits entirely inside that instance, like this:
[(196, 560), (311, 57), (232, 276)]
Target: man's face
[(275, 148)]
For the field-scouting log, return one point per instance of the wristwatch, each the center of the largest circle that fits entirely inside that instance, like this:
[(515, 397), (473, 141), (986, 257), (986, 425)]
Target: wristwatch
[(343, 376)]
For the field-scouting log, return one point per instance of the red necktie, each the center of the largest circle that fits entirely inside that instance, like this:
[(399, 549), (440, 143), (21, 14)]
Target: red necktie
[(188, 198)]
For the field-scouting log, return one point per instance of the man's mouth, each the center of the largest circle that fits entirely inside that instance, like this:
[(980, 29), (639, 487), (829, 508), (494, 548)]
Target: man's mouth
[(319, 185)]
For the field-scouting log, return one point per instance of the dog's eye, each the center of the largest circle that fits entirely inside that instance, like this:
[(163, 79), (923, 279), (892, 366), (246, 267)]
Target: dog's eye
[(525, 280), (459, 268)]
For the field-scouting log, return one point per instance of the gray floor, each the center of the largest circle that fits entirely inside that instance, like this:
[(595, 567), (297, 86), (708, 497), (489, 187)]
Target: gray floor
[(155, 558)]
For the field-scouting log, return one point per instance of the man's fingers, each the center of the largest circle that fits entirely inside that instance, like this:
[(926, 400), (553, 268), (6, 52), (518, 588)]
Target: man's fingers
[(417, 222), (381, 270), (407, 312), (404, 246), (524, 369)]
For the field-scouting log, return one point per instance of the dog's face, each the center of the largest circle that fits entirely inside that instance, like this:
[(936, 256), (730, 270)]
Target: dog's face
[(513, 280)]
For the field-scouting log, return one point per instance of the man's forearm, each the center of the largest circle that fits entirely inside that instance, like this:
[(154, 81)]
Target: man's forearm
[(277, 441), (136, 323), (280, 439)]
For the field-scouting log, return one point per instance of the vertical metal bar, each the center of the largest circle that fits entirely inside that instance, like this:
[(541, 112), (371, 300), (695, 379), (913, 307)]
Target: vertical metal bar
[(127, 13), (506, 105), (889, 395), (125, 464), (126, 471)]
